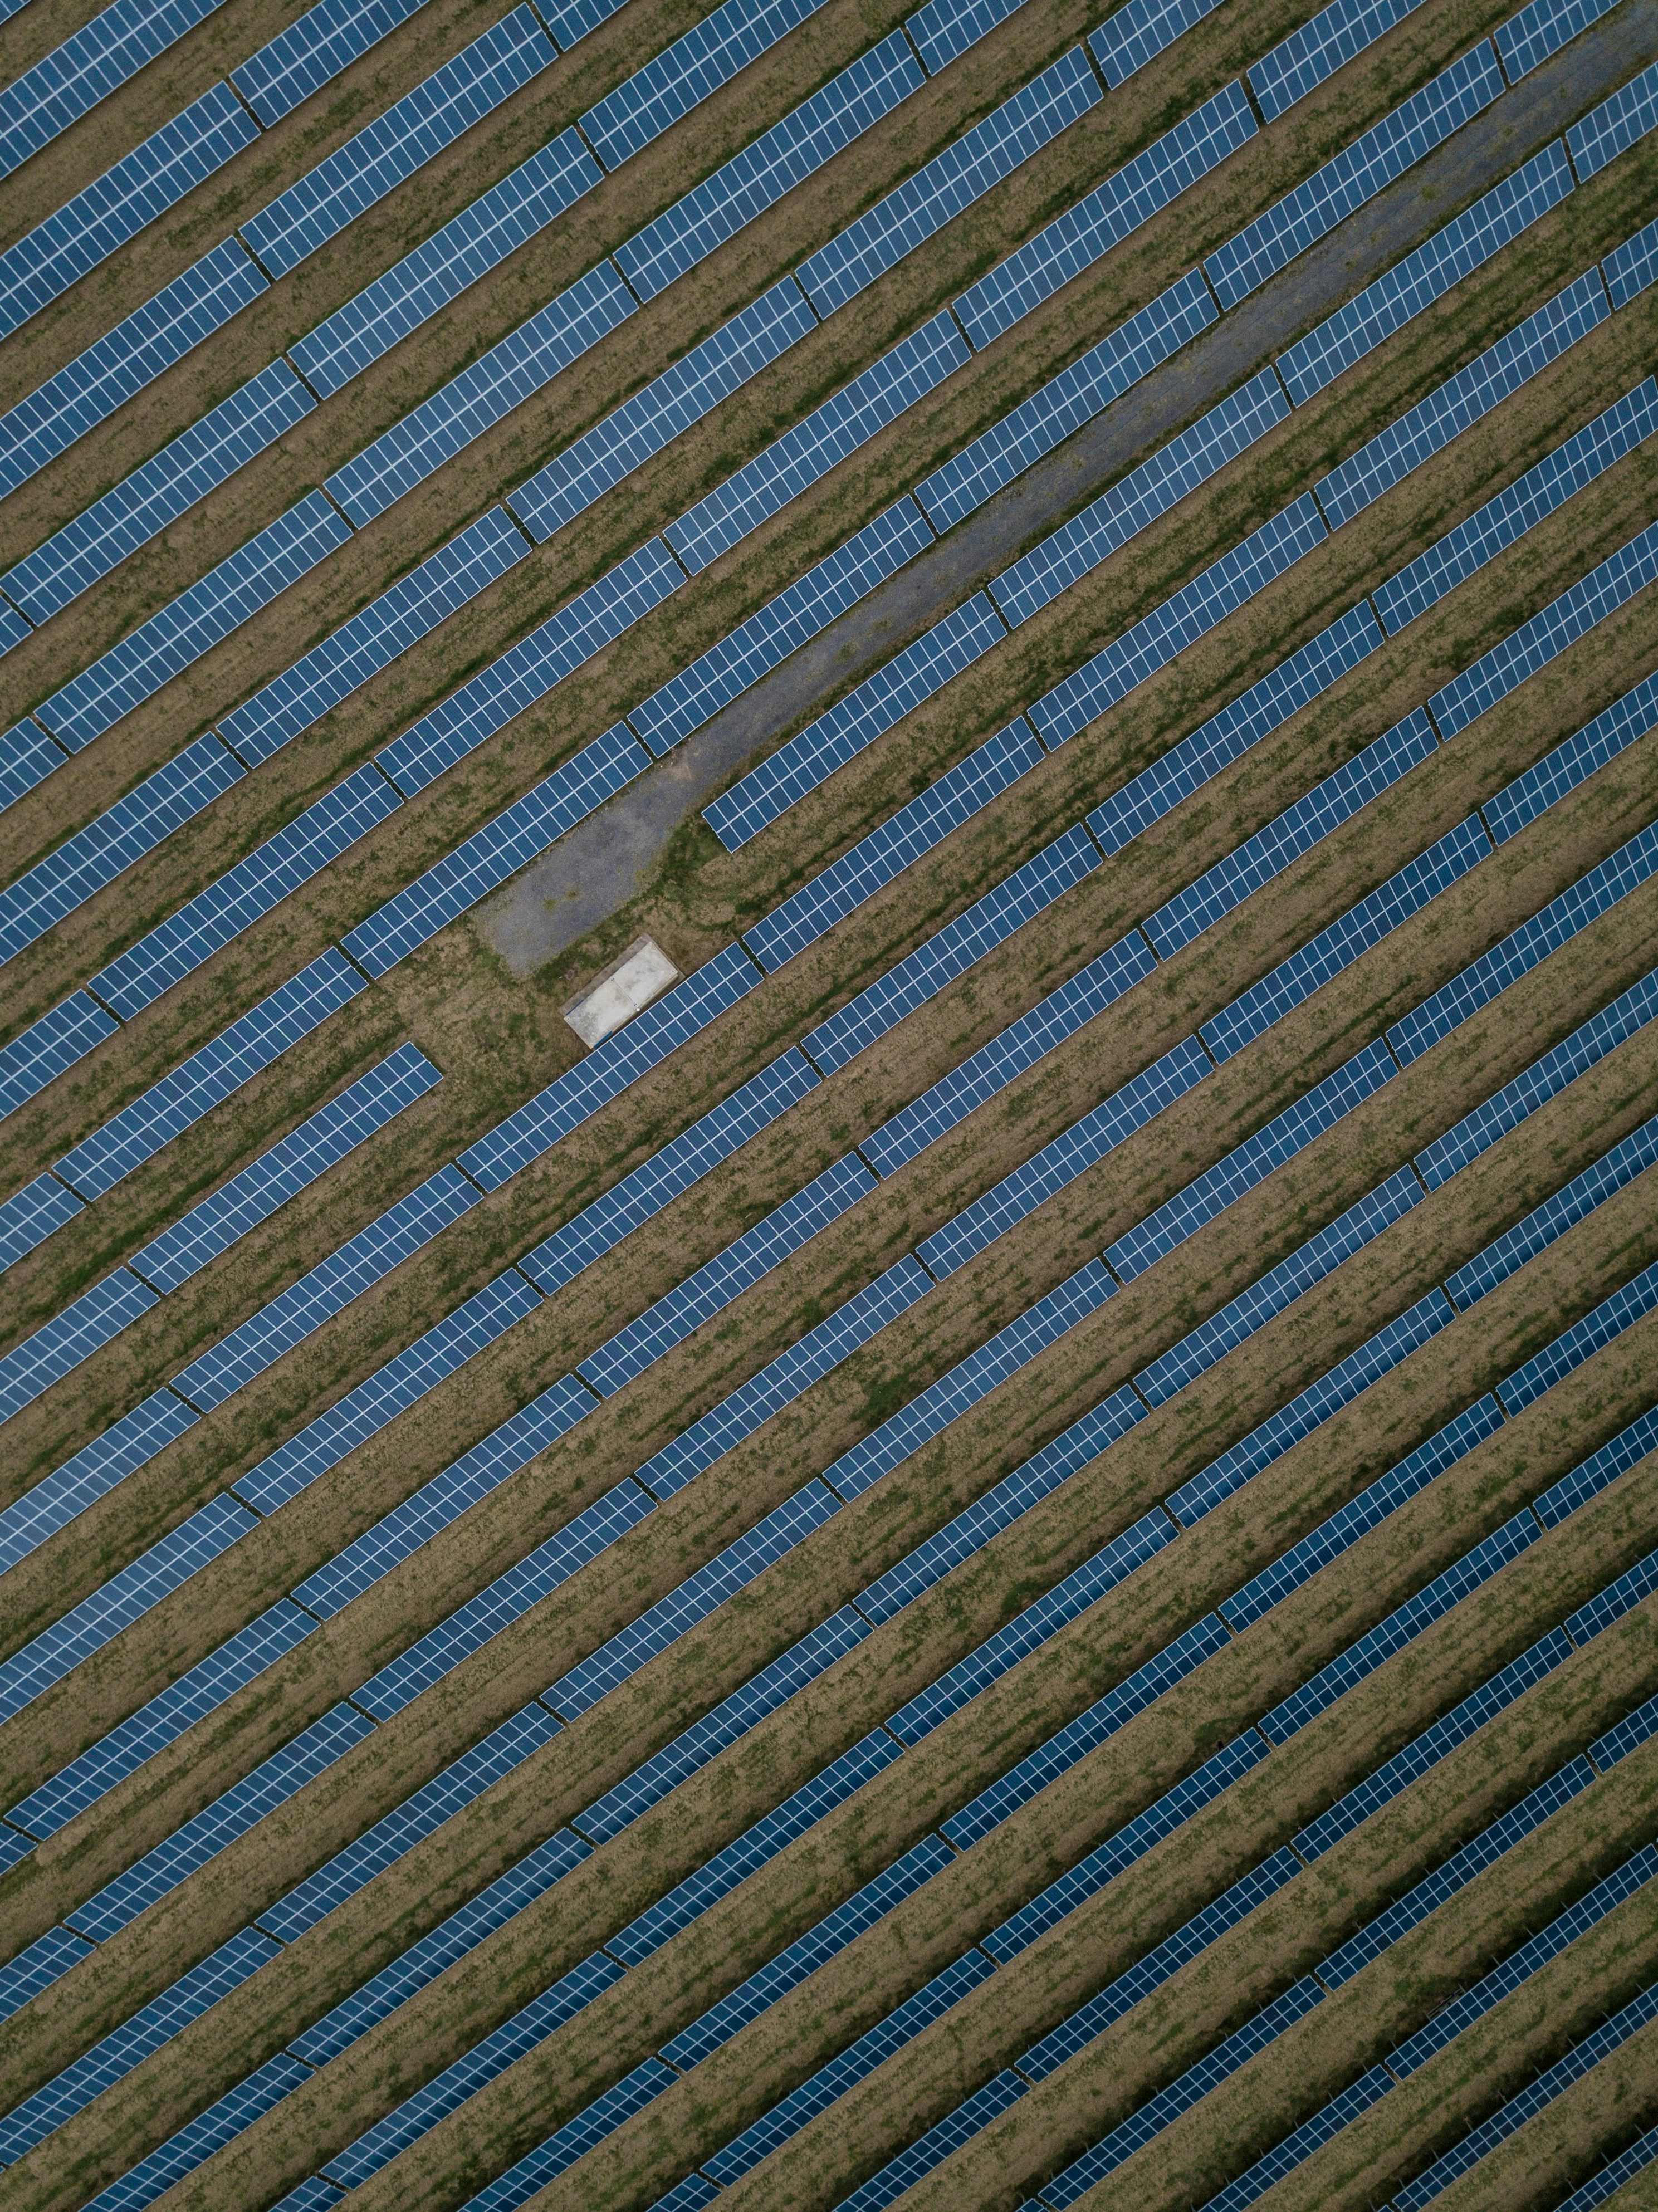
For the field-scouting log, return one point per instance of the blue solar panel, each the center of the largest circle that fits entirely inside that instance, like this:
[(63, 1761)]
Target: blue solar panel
[(499, 850), (84, 1326), (1355, 175), (662, 1623), (755, 180), (296, 1161), (1535, 643), (1598, 1328), (1612, 1603), (128, 1594), (358, 1265), (30, 1215), (951, 181), (144, 2032), (684, 74), (683, 1161), (990, 921), (35, 1968), (1135, 501), (373, 637), (930, 2150), (467, 88), (865, 714), (1465, 244), (986, 1072), (468, 246), (943, 29), (682, 394), (144, 502), (249, 579), (1632, 1732), (1296, 64), (194, 2144), (155, 176), (210, 1075), (130, 1442), (781, 1381), (1220, 590), (1103, 218), (84, 863), (302, 58), (512, 371), (1135, 34), (504, 1600), (247, 892), (218, 1825), (1290, 834), (971, 1379), (714, 1285), (1593, 1475), (1632, 266), (28, 756), (914, 366), (904, 838), (89, 389), (1573, 762), (1355, 932), (528, 670), (1540, 1228), (782, 626), (1298, 2147), (1617, 125), (1543, 488), (577, 2137), (1523, 948), (1541, 29), (63, 84), (1611, 2177), (607, 1071)]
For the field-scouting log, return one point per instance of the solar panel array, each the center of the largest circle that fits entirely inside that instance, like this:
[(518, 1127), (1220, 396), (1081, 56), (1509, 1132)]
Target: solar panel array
[(1615, 125), (60, 87), (304, 58), (1299, 63)]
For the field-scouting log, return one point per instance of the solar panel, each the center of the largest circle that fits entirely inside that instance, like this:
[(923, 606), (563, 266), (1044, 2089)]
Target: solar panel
[(30, 1215), (470, 245), (1593, 1475), (1462, 400), (855, 722), (36, 1967), (35, 1363), (1135, 34), (1135, 501), (1614, 1602), (523, 830), (1104, 217), (929, 2151), (626, 1055), (128, 1594), (1573, 762), (1611, 2178), (1522, 949), (782, 626), (302, 59), (578, 2137), (755, 180), (470, 85), (980, 158), (482, 394), (682, 394), (49, 1045), (1260, 858), (1631, 267), (990, 921), (507, 1598), (1541, 29), (1616, 126), (373, 637), (181, 632), (63, 84), (1633, 1731), (1355, 175), (88, 389), (201, 1689), (1535, 643), (1064, 1158), (359, 1263), (528, 670), (1065, 402), (1352, 934), (674, 1168), (1302, 62), (904, 838), (1192, 611), (93, 1471), (662, 1623), (77, 870), (155, 176), (822, 1349), (713, 1286), (680, 77), (903, 376), (1598, 1327), (195, 2143), (1298, 2147), (210, 1075), (1545, 1223), (943, 29), (987, 1071), (28, 756)]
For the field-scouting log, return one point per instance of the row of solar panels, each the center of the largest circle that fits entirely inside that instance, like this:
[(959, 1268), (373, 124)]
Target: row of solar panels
[(461, 1783)]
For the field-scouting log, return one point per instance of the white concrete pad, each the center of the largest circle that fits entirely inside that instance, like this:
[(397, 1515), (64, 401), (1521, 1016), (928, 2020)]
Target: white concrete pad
[(624, 989)]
